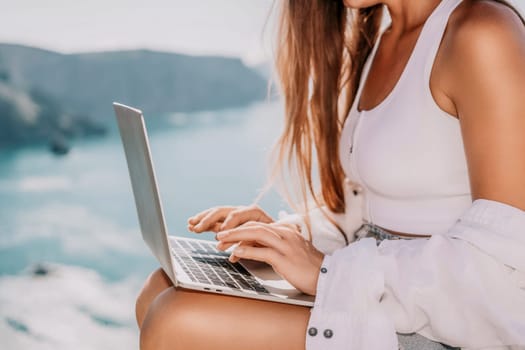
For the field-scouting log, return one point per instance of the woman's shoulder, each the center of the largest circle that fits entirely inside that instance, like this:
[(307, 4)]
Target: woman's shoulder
[(484, 43), (488, 12), (484, 27)]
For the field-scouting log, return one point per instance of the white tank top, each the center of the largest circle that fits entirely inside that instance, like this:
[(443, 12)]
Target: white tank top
[(407, 153)]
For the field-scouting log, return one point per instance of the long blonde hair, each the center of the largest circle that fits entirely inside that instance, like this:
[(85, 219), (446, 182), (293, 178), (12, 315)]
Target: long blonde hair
[(322, 48)]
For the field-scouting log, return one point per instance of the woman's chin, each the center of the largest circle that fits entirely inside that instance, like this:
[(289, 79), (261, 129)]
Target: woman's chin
[(357, 4)]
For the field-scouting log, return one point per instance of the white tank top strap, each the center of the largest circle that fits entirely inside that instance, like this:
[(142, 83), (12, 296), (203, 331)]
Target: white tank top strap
[(431, 39)]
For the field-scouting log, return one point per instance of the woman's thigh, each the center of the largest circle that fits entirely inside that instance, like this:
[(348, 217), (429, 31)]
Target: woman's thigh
[(156, 283), (184, 319)]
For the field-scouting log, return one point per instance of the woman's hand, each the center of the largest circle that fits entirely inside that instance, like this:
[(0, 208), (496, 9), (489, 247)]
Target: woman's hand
[(224, 218), (281, 246)]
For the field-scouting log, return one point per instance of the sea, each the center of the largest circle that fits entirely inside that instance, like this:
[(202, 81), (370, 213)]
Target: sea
[(72, 259)]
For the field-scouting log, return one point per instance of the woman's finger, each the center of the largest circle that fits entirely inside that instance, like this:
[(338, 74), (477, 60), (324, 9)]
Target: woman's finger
[(260, 234), (233, 258), (283, 230), (216, 228), (208, 221), (224, 246), (195, 219), (245, 214), (263, 254), (235, 218)]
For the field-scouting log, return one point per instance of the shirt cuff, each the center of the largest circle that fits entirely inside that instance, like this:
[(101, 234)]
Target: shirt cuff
[(346, 316), (495, 228)]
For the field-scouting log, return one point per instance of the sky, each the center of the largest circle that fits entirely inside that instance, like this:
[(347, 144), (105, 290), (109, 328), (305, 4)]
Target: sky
[(224, 27)]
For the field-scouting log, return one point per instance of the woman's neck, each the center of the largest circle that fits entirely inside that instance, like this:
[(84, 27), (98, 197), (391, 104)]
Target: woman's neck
[(408, 15)]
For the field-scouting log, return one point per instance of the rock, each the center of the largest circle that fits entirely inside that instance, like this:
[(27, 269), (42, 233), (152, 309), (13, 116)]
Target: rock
[(59, 146), (40, 270)]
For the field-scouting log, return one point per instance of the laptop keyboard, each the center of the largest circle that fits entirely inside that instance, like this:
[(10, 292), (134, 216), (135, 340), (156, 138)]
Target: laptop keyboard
[(203, 263)]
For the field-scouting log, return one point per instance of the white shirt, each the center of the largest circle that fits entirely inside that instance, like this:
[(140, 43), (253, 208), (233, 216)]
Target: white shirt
[(465, 288)]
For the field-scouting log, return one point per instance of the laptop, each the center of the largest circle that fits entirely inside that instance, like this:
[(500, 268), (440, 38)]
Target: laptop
[(191, 263)]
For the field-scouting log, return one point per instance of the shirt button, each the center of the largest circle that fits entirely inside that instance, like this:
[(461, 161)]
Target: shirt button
[(312, 331), (328, 333), (324, 270)]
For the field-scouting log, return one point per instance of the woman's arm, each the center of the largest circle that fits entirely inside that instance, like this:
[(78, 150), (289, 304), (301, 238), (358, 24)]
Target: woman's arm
[(484, 51)]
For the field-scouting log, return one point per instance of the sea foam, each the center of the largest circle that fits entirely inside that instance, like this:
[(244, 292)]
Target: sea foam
[(65, 307)]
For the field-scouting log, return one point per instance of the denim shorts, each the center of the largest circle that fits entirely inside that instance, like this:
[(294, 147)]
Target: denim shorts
[(406, 341), (371, 230)]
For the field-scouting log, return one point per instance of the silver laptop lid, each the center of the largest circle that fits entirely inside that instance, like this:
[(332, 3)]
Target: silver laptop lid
[(147, 198)]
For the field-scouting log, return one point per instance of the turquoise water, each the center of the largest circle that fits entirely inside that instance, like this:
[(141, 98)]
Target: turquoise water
[(77, 215)]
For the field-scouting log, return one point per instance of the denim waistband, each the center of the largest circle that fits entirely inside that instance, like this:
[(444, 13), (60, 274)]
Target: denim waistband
[(380, 234)]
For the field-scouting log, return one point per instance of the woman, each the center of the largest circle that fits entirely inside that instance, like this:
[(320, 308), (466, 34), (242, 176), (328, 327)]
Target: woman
[(428, 116)]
